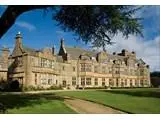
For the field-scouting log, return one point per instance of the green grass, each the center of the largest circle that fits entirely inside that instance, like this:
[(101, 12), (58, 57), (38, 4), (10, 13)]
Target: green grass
[(35, 104), (129, 100)]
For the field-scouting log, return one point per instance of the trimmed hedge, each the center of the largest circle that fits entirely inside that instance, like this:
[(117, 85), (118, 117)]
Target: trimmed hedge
[(33, 88)]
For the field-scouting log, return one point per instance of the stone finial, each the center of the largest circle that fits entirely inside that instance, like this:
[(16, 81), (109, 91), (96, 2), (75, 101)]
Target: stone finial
[(53, 49), (62, 50), (18, 35), (62, 41)]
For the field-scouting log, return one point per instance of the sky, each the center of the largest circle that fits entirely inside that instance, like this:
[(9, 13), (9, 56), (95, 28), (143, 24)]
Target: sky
[(39, 31)]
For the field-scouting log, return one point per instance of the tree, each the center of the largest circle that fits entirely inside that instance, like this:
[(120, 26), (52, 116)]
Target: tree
[(94, 24)]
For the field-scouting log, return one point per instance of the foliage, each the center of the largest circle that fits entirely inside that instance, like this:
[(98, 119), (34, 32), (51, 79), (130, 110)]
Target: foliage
[(10, 86), (35, 88), (98, 24), (91, 24), (54, 87), (155, 74), (155, 79)]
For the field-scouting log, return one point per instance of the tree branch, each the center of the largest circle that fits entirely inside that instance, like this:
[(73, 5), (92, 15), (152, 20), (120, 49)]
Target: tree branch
[(11, 14)]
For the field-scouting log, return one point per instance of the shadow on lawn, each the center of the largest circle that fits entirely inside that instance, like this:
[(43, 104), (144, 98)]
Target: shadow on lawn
[(139, 93), (22, 100)]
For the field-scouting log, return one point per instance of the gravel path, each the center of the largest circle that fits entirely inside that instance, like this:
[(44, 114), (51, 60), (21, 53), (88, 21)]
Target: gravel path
[(86, 107)]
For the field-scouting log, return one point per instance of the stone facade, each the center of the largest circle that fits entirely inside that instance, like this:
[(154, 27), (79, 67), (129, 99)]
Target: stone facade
[(74, 67), (4, 64)]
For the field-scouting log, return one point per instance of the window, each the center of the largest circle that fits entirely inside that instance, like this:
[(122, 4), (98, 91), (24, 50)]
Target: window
[(145, 82), (141, 82), (19, 61), (117, 72), (82, 67), (50, 64), (43, 62), (85, 67), (96, 81), (88, 81), (82, 81), (64, 83), (110, 70), (49, 81), (111, 82), (35, 78), (141, 72), (136, 82), (103, 69), (125, 82), (131, 83), (73, 81), (122, 83), (74, 69), (56, 82), (95, 68), (43, 81), (103, 81), (117, 82), (88, 67)]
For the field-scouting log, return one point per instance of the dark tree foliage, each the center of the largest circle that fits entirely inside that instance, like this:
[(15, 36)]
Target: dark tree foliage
[(14, 85), (155, 79), (155, 74), (93, 24), (12, 13), (98, 24)]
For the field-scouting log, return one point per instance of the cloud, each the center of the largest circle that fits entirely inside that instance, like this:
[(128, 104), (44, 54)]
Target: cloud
[(25, 25), (148, 50)]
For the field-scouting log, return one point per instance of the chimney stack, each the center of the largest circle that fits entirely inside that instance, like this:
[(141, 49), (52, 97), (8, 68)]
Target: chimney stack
[(53, 49), (62, 42)]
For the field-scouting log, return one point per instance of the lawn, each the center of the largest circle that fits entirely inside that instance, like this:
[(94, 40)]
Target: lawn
[(129, 100), (34, 104)]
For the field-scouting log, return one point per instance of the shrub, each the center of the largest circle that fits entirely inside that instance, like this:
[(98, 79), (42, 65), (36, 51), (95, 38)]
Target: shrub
[(33, 88), (54, 87), (29, 88)]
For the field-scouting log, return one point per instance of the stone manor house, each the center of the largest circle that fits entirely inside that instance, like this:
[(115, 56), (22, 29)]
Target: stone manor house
[(72, 67)]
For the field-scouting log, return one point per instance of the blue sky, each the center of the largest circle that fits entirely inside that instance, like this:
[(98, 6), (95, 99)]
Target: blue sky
[(39, 31)]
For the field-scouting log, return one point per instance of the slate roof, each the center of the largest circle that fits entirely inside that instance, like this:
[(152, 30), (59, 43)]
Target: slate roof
[(113, 57), (29, 50), (75, 52), (140, 61)]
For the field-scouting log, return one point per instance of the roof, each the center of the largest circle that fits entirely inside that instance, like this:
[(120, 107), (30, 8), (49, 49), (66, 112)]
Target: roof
[(113, 57), (75, 52), (140, 61), (29, 50)]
